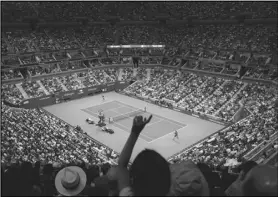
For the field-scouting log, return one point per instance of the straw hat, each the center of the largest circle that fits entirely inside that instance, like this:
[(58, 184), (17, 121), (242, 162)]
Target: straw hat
[(188, 180), (70, 181)]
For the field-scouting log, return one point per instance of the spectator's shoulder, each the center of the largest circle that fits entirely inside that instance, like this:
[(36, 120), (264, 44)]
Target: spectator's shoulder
[(127, 191)]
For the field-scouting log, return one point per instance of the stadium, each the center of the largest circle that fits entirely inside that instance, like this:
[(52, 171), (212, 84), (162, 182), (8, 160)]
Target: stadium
[(139, 98)]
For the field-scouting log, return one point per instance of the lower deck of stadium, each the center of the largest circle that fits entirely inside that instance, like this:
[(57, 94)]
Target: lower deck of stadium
[(157, 135)]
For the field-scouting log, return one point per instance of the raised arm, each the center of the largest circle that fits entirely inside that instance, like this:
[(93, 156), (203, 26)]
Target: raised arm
[(138, 125)]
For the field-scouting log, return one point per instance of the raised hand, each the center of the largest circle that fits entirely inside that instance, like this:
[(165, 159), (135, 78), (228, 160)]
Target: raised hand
[(139, 123)]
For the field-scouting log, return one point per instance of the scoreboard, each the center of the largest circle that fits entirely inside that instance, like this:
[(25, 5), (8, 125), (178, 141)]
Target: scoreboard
[(135, 46)]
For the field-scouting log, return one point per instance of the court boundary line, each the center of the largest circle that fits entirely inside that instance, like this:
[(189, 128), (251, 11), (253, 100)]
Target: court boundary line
[(153, 139), (160, 117), (102, 104), (87, 110), (130, 132), (174, 121), (149, 124), (123, 114), (131, 107), (167, 134), (90, 112)]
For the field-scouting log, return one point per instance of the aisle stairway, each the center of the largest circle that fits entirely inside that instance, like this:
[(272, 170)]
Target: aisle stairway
[(211, 94), (63, 86), (148, 77), (20, 88), (134, 72), (94, 77), (120, 74), (42, 86), (108, 76), (231, 99)]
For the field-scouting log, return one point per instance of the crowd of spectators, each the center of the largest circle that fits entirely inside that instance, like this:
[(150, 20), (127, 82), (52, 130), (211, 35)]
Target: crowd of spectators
[(35, 124), (200, 94), (237, 140), (71, 82), (44, 42), (88, 79), (127, 74), (64, 38), (10, 93), (34, 136), (134, 10), (233, 143), (102, 77), (73, 65), (141, 73), (112, 60), (84, 37), (219, 97), (215, 37), (50, 143), (10, 74), (28, 59), (51, 85), (73, 147), (22, 41), (184, 89), (232, 37), (112, 73), (45, 69), (54, 84), (180, 82), (32, 89), (4, 47)]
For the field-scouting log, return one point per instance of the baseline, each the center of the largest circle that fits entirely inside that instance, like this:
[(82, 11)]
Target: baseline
[(161, 117), (166, 135)]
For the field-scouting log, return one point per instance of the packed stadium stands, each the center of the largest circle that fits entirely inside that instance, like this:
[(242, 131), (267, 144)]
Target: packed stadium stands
[(198, 72)]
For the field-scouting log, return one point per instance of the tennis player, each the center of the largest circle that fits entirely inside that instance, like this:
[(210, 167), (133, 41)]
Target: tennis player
[(103, 98), (176, 135)]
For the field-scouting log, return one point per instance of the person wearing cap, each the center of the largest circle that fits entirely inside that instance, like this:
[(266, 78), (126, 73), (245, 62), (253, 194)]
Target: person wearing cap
[(234, 189), (188, 180), (260, 181), (70, 181)]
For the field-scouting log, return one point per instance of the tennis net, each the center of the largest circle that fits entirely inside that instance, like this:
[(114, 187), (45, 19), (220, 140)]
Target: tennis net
[(126, 115)]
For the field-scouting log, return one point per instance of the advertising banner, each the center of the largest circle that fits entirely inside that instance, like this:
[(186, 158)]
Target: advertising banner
[(91, 89), (110, 86), (121, 85), (41, 101)]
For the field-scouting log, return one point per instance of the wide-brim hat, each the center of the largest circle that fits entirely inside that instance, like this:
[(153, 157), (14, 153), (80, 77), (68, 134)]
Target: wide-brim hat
[(70, 181), (187, 180)]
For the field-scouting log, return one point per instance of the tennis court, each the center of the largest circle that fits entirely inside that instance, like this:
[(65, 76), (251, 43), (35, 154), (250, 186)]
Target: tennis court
[(157, 135), (123, 115)]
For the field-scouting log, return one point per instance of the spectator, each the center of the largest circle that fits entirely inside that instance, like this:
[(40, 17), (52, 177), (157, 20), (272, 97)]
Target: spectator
[(234, 188), (149, 174), (188, 180), (260, 181), (213, 180), (70, 181)]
